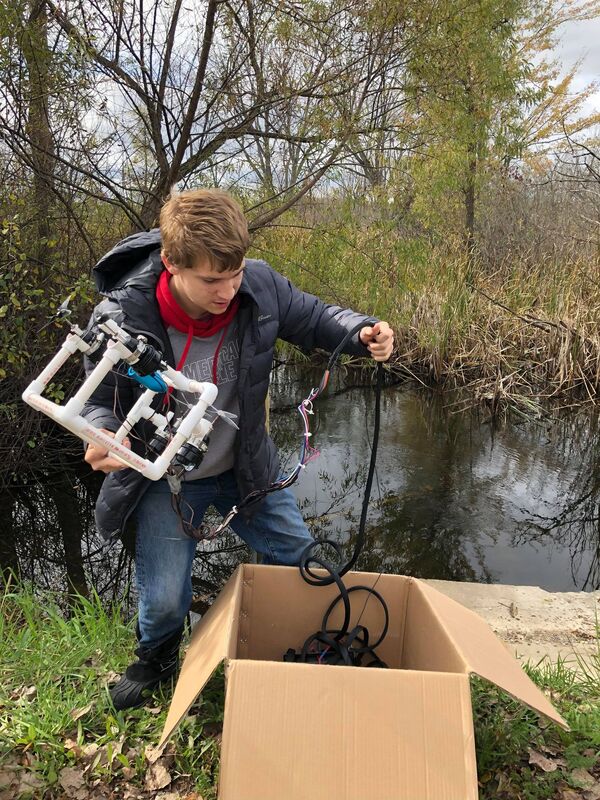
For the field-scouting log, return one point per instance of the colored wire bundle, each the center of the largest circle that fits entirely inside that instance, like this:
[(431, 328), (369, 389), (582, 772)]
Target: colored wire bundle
[(307, 453)]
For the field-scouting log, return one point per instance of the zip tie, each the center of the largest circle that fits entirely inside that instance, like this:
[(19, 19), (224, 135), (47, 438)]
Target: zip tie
[(226, 520)]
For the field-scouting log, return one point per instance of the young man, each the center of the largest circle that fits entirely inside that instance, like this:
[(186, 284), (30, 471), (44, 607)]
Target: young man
[(215, 315)]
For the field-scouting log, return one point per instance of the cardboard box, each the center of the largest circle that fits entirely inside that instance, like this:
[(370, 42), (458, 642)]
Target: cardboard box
[(297, 731)]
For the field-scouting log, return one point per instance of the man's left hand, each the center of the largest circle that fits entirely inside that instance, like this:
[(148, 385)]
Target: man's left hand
[(379, 339)]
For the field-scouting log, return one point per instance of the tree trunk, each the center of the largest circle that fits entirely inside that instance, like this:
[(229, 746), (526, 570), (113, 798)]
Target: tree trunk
[(470, 197), (9, 559), (152, 205), (67, 508), (43, 157)]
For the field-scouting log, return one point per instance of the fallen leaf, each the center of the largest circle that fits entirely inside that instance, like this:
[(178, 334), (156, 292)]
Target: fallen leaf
[(582, 778), (89, 750), (568, 794), (71, 778), (131, 792), (538, 760), (77, 713), (24, 693), (547, 748), (157, 777), (7, 777), (592, 794), (71, 746), (504, 781), (153, 753), (106, 754), (29, 782), (110, 677), (168, 796), (154, 710)]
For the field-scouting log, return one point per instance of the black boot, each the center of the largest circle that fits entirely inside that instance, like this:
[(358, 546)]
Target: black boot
[(155, 665)]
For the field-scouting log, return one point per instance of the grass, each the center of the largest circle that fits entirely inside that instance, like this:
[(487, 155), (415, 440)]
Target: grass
[(524, 331), (523, 757), (60, 736), (58, 728)]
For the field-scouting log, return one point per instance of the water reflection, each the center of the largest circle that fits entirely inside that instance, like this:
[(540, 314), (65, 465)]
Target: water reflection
[(454, 498), (49, 539), (460, 499)]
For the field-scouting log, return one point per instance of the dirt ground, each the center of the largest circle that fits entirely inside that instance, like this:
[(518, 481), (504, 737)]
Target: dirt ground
[(532, 622)]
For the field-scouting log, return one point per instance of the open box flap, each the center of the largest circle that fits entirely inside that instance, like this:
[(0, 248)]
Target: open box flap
[(213, 639), (484, 653), (294, 731)]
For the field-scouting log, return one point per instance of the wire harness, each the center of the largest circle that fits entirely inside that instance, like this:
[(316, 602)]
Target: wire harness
[(307, 452)]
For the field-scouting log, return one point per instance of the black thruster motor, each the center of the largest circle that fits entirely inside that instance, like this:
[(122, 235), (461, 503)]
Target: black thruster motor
[(95, 340), (189, 456), (149, 360), (159, 441)]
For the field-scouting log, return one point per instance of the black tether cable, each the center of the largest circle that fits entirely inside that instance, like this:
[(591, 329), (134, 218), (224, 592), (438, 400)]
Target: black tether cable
[(344, 646), (253, 497), (203, 532), (341, 646), (308, 558)]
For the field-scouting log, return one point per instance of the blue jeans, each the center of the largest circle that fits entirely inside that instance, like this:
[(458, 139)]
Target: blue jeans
[(164, 554)]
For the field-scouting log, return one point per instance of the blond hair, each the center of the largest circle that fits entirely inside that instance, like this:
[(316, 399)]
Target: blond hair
[(204, 224)]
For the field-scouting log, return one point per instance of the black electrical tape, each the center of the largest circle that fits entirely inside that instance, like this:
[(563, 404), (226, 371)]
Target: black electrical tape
[(149, 360)]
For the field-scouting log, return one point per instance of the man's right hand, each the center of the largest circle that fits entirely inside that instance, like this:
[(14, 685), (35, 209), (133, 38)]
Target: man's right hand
[(99, 458)]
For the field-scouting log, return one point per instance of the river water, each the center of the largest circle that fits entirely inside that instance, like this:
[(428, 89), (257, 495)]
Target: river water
[(456, 496)]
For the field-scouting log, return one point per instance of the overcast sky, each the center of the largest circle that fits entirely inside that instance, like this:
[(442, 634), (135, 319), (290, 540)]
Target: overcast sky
[(582, 40)]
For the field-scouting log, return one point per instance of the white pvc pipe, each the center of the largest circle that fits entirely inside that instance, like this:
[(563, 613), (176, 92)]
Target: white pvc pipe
[(193, 425), (135, 414), (112, 355), (68, 347)]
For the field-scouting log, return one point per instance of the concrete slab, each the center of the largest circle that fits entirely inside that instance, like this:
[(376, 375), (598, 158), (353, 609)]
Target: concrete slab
[(533, 623)]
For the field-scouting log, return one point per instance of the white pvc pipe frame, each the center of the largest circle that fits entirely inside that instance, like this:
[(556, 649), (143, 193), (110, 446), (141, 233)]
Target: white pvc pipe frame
[(193, 426)]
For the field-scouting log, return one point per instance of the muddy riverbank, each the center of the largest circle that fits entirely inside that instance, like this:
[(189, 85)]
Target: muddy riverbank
[(533, 623)]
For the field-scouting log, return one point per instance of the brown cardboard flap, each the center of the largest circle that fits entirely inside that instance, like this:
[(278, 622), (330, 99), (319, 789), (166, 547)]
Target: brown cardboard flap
[(426, 643), (484, 653), (212, 641), (295, 731)]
